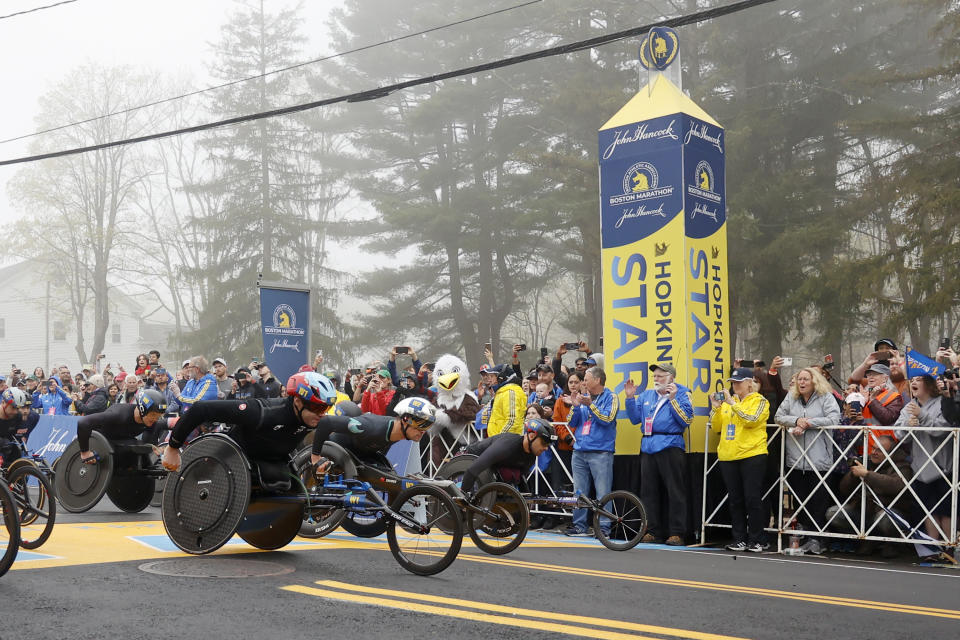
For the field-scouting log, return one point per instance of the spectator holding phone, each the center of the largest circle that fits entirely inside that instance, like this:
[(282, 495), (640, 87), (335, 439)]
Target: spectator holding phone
[(54, 401), (664, 413), (392, 363), (809, 450), (378, 393), (741, 421), (485, 390), (244, 388)]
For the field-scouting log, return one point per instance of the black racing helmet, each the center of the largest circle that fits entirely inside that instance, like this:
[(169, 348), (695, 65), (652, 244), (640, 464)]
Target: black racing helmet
[(542, 428)]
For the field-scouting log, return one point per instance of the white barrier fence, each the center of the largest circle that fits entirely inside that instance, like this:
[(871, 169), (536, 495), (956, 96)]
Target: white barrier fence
[(863, 514)]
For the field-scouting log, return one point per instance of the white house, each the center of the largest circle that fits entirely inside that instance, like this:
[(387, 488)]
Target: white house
[(36, 331)]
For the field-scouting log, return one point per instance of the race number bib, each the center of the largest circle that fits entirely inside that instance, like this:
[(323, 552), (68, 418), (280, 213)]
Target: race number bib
[(731, 431), (586, 427), (648, 426)]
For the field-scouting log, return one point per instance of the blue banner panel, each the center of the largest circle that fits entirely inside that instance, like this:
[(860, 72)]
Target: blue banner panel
[(285, 324), (640, 194), (51, 436), (703, 167)]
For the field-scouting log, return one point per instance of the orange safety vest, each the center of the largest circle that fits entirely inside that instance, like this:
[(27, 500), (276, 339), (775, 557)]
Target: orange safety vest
[(885, 398)]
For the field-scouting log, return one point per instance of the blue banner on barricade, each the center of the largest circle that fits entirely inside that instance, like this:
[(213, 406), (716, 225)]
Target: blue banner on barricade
[(51, 436), (285, 324)]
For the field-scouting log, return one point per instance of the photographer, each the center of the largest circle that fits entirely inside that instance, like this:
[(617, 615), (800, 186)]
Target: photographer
[(392, 363), (95, 398), (378, 394), (244, 387), (169, 391), (54, 401)]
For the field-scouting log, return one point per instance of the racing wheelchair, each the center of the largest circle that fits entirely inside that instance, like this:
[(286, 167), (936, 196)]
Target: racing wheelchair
[(623, 509), (127, 472), (36, 510), (219, 491), (496, 519)]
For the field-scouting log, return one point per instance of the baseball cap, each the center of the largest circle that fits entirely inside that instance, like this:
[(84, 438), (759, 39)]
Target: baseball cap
[(186, 363), (242, 370), (856, 397), (590, 360), (879, 368), (887, 341), (663, 366), (740, 374), (384, 373), (220, 360), (303, 368), (120, 376), (543, 366), (160, 370)]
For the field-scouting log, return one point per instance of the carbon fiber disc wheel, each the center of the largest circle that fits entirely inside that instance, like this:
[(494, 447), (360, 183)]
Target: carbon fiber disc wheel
[(131, 493), (79, 486), (204, 503)]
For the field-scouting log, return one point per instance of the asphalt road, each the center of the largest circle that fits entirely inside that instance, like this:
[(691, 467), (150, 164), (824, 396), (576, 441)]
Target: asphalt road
[(87, 582)]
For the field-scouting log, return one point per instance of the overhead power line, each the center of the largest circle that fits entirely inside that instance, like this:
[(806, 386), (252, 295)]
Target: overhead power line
[(49, 6), (380, 92), (273, 71)]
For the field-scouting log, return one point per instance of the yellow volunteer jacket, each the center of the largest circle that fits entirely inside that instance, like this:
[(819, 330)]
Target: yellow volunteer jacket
[(742, 427), (509, 408)]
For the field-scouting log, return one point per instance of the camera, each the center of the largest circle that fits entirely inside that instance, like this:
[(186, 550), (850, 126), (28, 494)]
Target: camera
[(572, 346), (718, 396)]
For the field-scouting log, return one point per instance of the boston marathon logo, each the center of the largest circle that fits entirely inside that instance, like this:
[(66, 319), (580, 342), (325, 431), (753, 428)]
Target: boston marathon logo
[(641, 182), (659, 49), (703, 186), (284, 326)]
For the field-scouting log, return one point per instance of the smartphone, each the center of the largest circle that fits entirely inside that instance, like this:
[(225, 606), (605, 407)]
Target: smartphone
[(353, 372), (828, 359), (787, 362), (945, 343), (601, 342), (572, 346), (400, 350), (853, 462), (543, 352), (878, 355), (718, 396), (522, 347), (487, 347), (319, 352)]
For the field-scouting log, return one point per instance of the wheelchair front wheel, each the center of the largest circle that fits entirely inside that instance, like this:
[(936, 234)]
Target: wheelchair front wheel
[(425, 550)]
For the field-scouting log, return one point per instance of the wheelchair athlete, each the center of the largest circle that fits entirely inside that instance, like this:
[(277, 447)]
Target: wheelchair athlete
[(264, 428), (121, 421), (14, 426), (510, 454), (369, 433)]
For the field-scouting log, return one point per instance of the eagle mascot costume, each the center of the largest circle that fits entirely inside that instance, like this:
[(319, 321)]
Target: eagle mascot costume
[(457, 406)]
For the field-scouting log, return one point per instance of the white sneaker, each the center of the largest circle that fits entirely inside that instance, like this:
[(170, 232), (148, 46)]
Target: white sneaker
[(737, 546)]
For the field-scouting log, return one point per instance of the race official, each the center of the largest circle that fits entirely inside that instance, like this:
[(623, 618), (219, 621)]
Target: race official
[(664, 413)]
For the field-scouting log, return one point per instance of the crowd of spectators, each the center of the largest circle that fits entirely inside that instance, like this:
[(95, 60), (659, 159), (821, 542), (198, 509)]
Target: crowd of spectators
[(906, 471)]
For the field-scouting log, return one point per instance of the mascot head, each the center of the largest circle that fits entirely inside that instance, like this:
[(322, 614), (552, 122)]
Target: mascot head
[(452, 378)]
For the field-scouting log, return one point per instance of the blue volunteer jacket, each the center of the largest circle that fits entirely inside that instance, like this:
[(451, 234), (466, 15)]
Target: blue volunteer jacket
[(669, 423), (195, 390), (596, 426)]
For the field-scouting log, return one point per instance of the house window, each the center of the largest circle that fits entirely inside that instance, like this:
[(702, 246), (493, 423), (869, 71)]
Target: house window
[(60, 330), (115, 333)]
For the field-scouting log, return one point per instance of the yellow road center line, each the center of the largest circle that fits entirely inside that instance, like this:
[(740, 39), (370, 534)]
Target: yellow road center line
[(692, 584), (464, 614), (600, 622)]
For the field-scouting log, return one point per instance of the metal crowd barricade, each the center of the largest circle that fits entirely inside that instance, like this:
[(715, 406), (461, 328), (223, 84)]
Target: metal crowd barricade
[(857, 527), (446, 446)]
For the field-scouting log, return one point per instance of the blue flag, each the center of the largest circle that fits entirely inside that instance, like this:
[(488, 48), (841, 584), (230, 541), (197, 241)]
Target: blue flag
[(919, 364)]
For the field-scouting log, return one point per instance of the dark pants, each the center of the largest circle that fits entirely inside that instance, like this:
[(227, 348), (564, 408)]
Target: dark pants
[(744, 480), (816, 498), (659, 472)]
